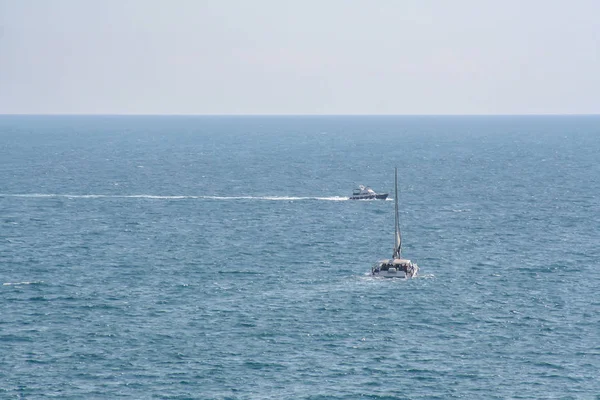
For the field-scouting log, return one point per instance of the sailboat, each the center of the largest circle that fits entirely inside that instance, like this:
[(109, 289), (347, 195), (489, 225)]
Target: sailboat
[(396, 267)]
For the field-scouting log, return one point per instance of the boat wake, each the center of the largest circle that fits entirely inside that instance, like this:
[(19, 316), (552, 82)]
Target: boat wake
[(22, 283), (272, 198), (158, 197)]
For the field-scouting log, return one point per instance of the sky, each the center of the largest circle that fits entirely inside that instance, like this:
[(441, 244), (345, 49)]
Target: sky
[(405, 57)]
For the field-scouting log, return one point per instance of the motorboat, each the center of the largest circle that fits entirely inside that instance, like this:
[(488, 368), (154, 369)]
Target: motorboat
[(396, 267), (366, 193)]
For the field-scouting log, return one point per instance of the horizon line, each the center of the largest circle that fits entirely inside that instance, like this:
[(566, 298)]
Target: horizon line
[(289, 115)]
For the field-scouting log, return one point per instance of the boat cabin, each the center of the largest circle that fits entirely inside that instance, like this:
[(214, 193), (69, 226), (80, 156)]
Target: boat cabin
[(362, 190), (397, 263), (391, 268)]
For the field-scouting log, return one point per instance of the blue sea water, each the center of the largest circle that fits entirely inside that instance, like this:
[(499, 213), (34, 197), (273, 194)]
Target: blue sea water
[(219, 258)]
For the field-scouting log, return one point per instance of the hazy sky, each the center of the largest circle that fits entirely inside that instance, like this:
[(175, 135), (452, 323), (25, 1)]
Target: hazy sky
[(300, 57)]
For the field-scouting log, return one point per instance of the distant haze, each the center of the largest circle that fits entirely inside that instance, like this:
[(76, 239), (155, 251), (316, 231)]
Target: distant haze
[(299, 57)]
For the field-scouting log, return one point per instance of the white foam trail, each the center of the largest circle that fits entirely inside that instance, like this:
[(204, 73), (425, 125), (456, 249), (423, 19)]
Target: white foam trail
[(21, 283), (273, 198), (157, 197)]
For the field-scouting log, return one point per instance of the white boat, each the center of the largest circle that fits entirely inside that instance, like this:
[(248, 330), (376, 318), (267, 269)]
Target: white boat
[(366, 193), (396, 267)]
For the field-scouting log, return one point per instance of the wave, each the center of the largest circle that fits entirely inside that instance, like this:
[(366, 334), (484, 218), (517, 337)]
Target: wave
[(158, 197)]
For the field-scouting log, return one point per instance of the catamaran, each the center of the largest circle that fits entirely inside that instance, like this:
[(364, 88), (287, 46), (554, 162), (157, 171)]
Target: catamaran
[(397, 267)]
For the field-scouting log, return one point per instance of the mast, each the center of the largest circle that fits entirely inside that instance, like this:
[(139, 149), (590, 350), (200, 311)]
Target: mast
[(398, 236)]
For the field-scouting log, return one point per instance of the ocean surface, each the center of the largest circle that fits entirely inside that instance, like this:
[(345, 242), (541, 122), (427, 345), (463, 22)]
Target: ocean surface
[(220, 258)]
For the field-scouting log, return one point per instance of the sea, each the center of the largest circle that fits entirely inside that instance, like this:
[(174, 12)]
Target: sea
[(218, 257)]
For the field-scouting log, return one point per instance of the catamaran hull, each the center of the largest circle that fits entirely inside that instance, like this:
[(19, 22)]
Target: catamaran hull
[(400, 274), (410, 271), (370, 197), (388, 274)]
